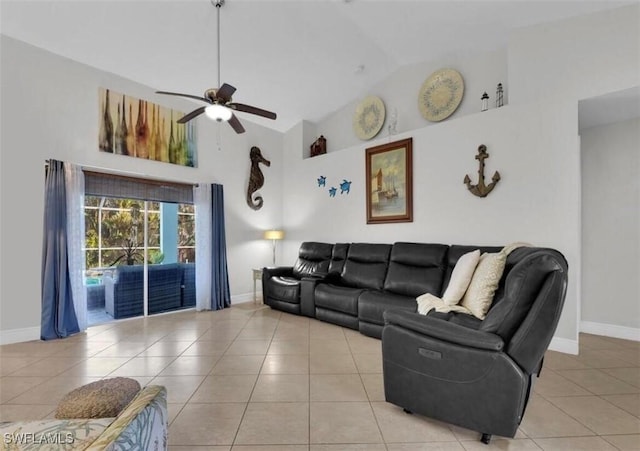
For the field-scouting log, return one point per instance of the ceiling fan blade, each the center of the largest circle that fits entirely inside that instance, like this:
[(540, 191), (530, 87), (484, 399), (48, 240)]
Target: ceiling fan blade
[(225, 92), (253, 110), (235, 123), (194, 113), (184, 95)]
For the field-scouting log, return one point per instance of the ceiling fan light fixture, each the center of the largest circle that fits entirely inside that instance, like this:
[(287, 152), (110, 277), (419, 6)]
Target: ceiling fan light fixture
[(218, 112), (219, 105)]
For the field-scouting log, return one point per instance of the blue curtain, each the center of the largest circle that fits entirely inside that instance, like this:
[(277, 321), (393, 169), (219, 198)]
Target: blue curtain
[(220, 295), (58, 316)]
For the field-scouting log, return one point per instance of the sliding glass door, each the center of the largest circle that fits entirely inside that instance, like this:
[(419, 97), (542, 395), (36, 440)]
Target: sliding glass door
[(140, 257)]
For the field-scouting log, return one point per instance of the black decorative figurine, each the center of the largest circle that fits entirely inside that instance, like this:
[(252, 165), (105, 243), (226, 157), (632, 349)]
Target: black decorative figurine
[(485, 102), (499, 96)]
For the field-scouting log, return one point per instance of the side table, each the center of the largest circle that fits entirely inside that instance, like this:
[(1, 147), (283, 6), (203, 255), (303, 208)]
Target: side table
[(257, 275)]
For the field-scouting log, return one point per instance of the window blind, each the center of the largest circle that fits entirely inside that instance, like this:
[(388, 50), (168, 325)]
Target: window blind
[(113, 185)]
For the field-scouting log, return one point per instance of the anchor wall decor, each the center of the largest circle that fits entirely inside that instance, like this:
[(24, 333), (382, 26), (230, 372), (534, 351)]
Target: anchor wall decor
[(481, 190)]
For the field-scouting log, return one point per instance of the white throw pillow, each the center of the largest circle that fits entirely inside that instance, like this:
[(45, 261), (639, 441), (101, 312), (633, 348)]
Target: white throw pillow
[(461, 277), (484, 284)]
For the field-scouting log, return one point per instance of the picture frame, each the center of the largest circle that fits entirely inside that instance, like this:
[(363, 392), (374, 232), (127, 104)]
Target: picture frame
[(389, 182)]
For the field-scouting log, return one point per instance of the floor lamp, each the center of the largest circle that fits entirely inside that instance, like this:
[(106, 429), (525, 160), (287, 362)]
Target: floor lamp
[(273, 235)]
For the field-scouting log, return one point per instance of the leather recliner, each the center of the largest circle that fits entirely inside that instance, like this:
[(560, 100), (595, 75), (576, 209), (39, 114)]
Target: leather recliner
[(478, 374), (336, 300), (414, 269), (281, 285)]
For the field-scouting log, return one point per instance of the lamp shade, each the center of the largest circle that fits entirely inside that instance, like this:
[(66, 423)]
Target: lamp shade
[(218, 112), (273, 234)]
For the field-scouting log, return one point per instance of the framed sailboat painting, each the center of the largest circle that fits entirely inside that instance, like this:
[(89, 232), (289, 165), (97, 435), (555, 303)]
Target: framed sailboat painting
[(389, 182)]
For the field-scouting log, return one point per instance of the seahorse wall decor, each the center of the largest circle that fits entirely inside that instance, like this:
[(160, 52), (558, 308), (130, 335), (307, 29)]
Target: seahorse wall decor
[(256, 179)]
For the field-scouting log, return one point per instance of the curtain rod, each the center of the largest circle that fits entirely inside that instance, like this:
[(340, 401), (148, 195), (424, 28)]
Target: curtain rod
[(128, 175), (101, 170), (146, 179)]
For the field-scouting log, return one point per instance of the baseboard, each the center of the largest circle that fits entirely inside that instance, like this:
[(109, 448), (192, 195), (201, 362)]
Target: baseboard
[(19, 335), (564, 345), (245, 297), (610, 330)]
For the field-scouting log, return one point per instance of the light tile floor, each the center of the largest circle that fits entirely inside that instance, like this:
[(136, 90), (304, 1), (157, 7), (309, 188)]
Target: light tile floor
[(250, 378)]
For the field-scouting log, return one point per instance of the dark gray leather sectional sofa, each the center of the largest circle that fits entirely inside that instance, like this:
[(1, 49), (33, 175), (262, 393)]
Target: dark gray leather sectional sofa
[(454, 367), (353, 284)]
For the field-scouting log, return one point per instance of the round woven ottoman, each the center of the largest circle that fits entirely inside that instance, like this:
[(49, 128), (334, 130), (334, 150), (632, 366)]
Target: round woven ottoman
[(101, 399)]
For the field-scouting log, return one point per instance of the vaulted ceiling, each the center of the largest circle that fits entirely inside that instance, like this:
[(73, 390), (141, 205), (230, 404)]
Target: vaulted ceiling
[(303, 59)]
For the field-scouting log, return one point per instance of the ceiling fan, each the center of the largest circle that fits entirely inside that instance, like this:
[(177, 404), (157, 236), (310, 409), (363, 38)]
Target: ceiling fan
[(220, 107)]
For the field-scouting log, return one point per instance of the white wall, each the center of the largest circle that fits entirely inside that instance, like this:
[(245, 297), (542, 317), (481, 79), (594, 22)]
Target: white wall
[(576, 58), (573, 60), (611, 227), (400, 92), (536, 150), (50, 110)]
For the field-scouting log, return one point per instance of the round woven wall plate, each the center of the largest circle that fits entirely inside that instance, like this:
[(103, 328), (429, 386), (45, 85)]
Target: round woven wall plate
[(440, 94), (368, 117)]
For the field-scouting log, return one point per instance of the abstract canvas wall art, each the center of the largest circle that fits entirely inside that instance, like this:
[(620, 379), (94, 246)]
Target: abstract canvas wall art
[(142, 129)]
